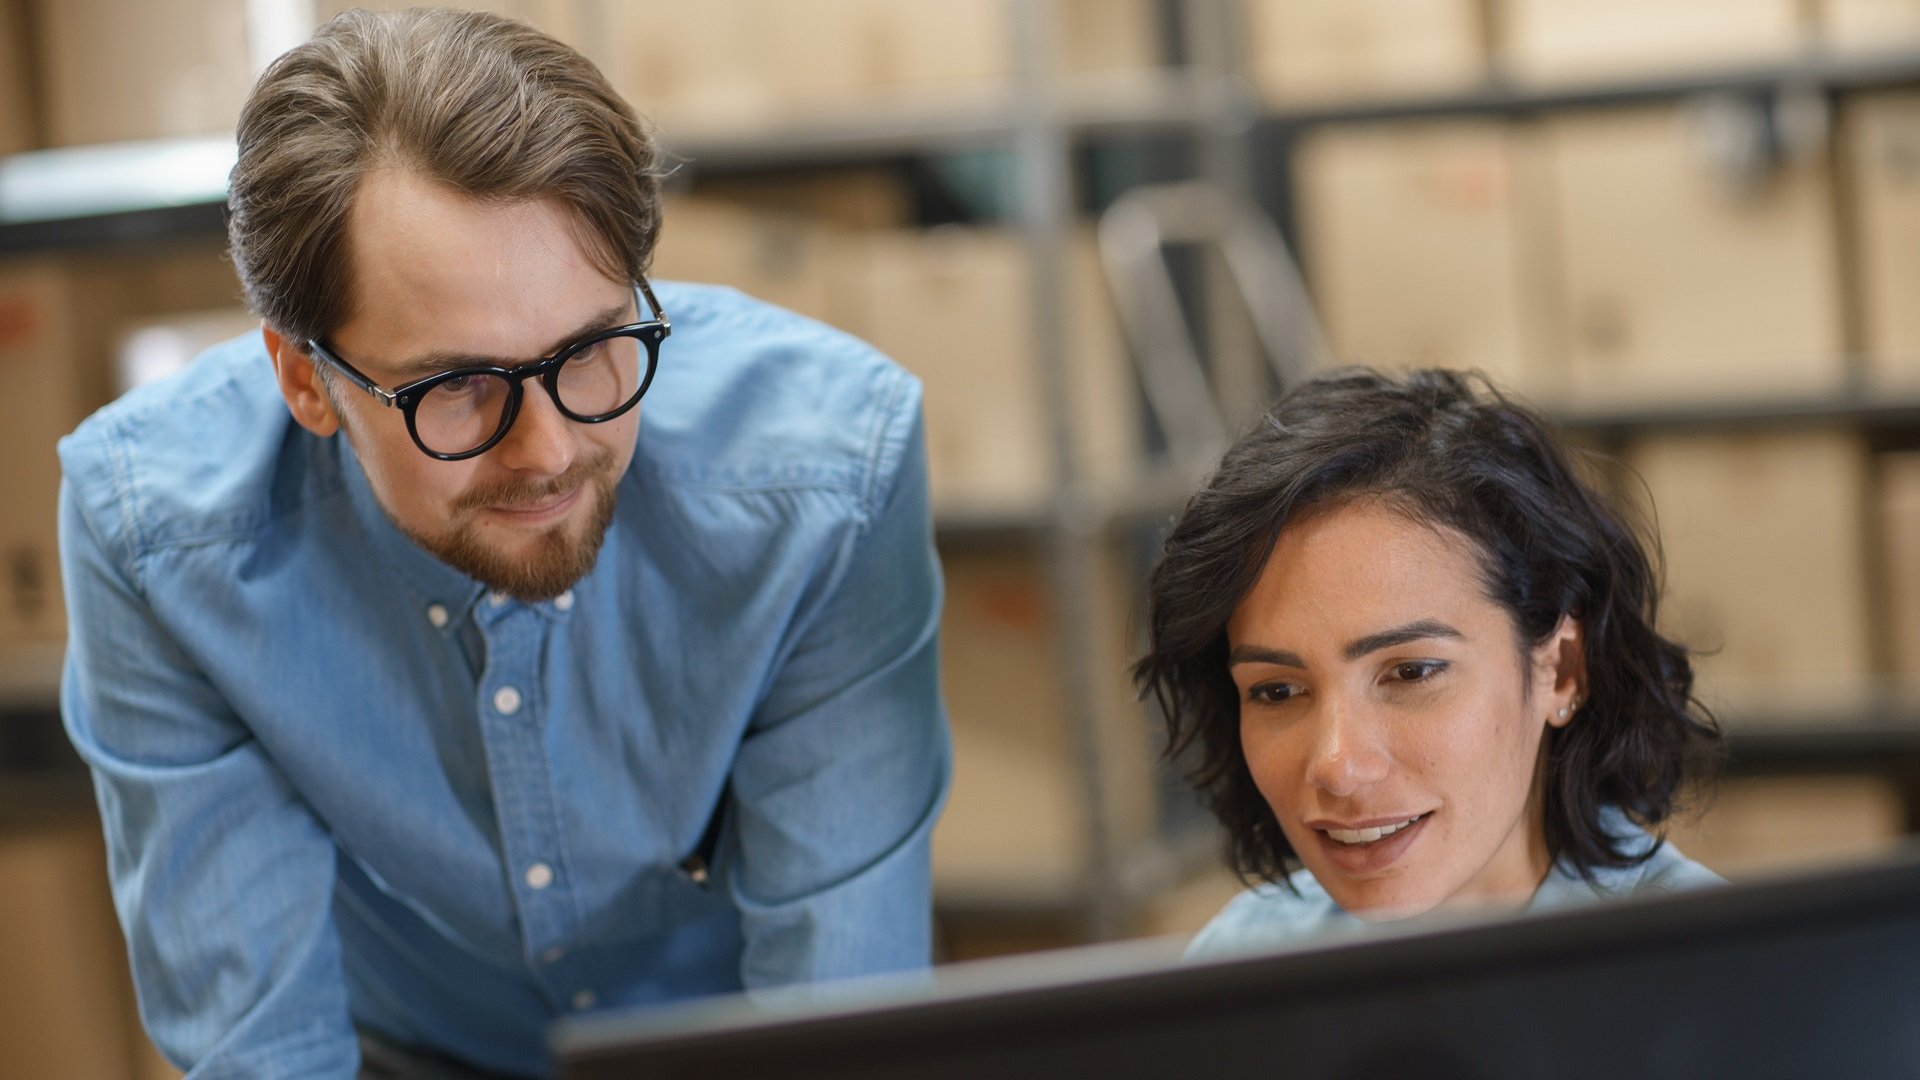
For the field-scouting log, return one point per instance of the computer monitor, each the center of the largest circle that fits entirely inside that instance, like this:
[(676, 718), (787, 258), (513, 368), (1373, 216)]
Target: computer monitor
[(1816, 975)]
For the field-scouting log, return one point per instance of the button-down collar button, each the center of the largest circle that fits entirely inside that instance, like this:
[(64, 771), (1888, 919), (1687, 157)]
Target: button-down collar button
[(539, 876), (564, 602), (496, 599), (437, 615), (506, 700), (584, 1000)]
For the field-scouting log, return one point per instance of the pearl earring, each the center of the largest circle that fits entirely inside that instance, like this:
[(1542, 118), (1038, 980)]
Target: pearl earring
[(1563, 712)]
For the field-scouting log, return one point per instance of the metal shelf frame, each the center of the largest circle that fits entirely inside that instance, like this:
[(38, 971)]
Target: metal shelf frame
[(1042, 119)]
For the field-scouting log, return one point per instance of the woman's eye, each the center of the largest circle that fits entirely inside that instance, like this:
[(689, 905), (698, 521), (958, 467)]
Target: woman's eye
[(1416, 670), (1272, 693)]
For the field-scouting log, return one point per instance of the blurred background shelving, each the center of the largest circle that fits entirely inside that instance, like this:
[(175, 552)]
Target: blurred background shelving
[(1690, 229)]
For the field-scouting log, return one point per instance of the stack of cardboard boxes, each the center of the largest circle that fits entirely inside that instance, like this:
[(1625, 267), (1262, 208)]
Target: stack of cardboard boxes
[(1592, 260), (1612, 259), (954, 305)]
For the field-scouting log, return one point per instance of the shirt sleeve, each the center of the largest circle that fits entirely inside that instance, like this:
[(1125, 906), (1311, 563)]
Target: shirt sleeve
[(221, 874), (837, 785)]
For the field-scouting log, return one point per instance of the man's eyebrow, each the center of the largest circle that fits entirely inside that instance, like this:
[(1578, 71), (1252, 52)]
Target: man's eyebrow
[(419, 367), (1385, 639)]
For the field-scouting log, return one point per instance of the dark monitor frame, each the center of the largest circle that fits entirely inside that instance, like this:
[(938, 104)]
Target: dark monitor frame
[(1809, 975)]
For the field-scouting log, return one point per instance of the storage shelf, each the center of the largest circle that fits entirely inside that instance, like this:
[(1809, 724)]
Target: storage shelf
[(170, 189), (1860, 409), (1813, 69), (1124, 103)]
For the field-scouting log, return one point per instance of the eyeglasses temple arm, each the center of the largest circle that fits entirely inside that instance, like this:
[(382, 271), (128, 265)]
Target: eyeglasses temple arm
[(314, 348), (653, 305)]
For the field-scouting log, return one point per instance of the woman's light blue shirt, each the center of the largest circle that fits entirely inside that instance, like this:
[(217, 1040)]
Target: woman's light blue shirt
[(1267, 916)]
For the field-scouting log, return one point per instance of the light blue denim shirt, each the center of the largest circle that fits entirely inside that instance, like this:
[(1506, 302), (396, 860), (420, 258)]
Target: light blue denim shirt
[(325, 809), (1268, 916)]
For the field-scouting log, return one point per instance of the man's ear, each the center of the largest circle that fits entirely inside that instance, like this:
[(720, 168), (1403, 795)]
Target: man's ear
[(1560, 671), (300, 384)]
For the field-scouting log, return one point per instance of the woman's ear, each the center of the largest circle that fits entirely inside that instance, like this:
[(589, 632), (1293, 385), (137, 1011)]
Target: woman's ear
[(1560, 671), (300, 384)]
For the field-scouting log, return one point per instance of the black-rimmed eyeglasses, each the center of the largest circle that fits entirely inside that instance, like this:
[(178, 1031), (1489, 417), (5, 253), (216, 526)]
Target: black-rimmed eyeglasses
[(457, 414)]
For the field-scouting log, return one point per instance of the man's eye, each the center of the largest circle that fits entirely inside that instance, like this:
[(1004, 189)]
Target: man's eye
[(1417, 670)]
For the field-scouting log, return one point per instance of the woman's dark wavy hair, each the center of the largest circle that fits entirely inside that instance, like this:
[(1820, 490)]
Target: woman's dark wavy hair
[(1447, 449)]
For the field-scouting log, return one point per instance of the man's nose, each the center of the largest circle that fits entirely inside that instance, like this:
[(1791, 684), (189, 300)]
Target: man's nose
[(542, 439)]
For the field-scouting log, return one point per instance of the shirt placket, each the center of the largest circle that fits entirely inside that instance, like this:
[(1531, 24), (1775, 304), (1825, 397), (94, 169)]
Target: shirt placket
[(511, 707)]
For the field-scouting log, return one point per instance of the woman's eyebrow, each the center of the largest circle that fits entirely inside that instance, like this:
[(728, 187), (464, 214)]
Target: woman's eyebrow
[(1260, 654), (1385, 639), (1400, 635)]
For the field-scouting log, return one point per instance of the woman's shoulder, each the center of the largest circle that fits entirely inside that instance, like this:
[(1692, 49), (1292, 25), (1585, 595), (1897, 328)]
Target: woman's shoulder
[(1269, 915), (1665, 869)]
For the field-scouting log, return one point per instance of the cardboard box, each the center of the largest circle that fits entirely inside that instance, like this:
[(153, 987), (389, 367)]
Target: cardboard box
[(955, 306), (1880, 152), (61, 323), (1869, 25), (779, 258), (1678, 283), (1752, 827), (111, 70), (1311, 51), (18, 128), (153, 349), (561, 18), (1548, 41), (1899, 551), (1016, 822), (1422, 247), (1766, 573), (66, 999), (731, 64), (44, 387), (856, 197)]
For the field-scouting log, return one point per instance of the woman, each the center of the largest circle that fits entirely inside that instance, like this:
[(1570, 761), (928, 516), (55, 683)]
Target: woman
[(1417, 655)]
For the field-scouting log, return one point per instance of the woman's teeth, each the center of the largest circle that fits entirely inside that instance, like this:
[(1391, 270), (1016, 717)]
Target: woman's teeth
[(1368, 836)]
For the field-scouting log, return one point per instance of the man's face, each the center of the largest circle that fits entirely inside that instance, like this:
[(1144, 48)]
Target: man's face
[(440, 281)]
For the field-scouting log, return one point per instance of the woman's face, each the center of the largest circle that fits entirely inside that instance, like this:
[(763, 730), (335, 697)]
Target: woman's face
[(1389, 717)]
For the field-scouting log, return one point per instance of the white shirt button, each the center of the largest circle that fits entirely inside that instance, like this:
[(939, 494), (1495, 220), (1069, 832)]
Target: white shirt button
[(553, 955), (506, 700), (539, 876), (437, 615), (584, 1000), (495, 599), (564, 602)]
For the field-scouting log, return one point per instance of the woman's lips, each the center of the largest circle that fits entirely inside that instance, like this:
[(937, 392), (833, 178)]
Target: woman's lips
[(1348, 847)]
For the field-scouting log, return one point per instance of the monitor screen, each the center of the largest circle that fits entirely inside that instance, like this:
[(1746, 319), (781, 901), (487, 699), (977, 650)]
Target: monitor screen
[(1815, 975)]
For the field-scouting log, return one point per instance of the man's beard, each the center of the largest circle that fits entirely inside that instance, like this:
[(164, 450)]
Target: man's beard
[(555, 559)]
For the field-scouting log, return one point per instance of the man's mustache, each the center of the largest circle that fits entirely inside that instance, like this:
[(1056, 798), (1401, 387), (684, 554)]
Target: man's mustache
[(511, 492)]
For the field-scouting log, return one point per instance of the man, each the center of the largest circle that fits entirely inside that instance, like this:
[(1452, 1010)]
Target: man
[(421, 681)]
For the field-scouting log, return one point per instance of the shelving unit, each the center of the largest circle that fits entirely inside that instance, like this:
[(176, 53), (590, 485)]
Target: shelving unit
[(169, 191), (1040, 121)]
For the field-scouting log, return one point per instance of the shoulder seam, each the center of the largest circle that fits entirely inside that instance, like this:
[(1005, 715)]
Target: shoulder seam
[(885, 417), (121, 461)]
